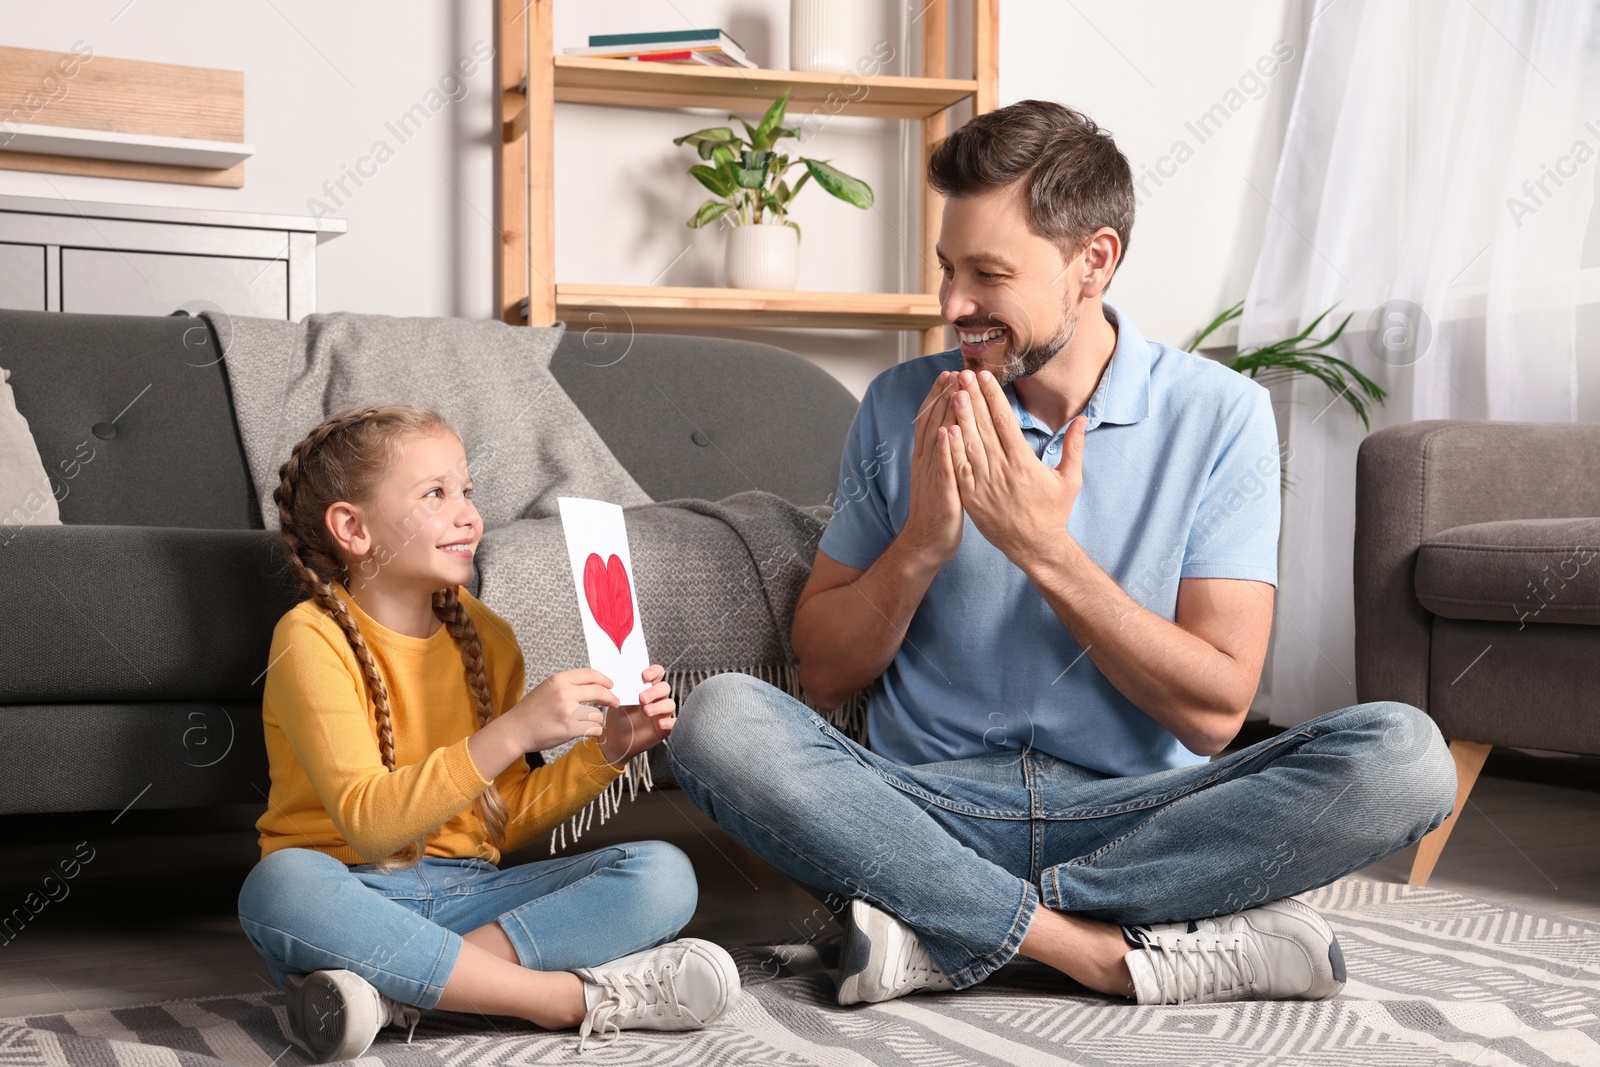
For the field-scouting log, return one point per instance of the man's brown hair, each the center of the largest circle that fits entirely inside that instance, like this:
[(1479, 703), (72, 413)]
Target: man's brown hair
[(1076, 179)]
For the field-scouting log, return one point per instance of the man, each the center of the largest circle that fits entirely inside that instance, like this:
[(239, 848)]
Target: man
[(1053, 557)]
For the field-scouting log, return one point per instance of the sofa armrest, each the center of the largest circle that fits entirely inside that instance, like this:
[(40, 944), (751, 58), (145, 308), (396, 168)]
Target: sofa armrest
[(1418, 478)]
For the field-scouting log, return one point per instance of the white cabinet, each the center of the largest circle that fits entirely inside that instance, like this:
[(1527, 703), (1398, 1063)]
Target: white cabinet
[(150, 283), (22, 277), (127, 259)]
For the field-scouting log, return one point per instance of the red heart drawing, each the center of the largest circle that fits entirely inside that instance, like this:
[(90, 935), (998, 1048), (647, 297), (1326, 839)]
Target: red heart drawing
[(605, 587)]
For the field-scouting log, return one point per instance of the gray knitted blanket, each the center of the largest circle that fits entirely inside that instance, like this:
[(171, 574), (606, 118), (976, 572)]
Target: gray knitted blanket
[(526, 441), (717, 581)]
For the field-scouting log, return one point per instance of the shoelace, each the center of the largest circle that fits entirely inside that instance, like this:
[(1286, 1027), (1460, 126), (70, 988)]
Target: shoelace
[(916, 963), (626, 992), (407, 1015), (1184, 962)]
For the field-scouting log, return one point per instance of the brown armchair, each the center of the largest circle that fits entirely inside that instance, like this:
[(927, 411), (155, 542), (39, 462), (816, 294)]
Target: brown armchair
[(1477, 587)]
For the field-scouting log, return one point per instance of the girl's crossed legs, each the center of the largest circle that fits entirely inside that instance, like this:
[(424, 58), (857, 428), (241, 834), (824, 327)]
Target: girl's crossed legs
[(462, 935)]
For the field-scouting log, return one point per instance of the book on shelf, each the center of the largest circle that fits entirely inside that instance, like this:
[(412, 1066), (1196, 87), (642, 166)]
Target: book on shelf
[(707, 47)]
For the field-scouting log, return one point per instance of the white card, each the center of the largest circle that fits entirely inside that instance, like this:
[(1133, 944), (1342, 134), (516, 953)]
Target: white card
[(602, 572)]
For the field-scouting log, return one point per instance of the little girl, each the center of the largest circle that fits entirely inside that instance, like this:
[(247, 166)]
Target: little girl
[(399, 781)]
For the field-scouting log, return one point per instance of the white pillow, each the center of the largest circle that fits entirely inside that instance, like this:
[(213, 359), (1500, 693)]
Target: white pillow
[(26, 498)]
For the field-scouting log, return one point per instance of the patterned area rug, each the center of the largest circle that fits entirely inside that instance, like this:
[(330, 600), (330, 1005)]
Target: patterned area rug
[(1435, 978)]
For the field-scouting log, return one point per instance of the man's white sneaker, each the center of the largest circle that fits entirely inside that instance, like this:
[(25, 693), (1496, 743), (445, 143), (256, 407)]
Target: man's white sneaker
[(883, 958), (336, 1014), (1282, 950), (682, 985)]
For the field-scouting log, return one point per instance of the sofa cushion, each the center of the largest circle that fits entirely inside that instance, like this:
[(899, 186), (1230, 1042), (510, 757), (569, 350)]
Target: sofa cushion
[(153, 754), (135, 613), (704, 417), (131, 414), (1513, 570)]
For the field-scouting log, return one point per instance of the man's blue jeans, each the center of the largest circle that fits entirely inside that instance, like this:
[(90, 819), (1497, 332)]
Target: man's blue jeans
[(965, 851), (401, 930)]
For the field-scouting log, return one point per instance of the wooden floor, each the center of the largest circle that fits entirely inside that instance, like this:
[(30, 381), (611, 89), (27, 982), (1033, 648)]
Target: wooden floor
[(152, 916)]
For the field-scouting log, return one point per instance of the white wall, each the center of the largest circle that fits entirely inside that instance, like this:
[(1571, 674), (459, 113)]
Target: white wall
[(322, 80), (1148, 71)]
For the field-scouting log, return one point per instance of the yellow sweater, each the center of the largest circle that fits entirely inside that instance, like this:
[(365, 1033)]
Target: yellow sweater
[(330, 789)]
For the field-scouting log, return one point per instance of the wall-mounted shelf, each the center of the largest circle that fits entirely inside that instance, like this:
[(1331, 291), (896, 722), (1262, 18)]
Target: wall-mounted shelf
[(81, 113), (128, 147)]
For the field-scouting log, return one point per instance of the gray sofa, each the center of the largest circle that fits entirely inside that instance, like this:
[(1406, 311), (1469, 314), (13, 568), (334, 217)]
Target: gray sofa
[(128, 629), (1477, 587)]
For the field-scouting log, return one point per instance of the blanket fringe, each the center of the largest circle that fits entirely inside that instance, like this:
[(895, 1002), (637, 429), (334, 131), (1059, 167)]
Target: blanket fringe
[(609, 801), (849, 718)]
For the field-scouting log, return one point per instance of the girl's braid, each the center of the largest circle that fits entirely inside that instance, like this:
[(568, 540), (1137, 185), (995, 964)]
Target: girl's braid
[(453, 613), (309, 563)]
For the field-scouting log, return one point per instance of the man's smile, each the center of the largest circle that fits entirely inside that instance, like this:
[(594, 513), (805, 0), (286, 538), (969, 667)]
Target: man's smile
[(977, 342)]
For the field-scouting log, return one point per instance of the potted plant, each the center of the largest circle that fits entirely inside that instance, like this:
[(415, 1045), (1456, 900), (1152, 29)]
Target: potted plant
[(1300, 355), (749, 177)]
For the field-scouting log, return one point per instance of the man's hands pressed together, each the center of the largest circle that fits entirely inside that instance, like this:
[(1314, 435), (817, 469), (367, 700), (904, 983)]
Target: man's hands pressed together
[(1020, 505), (1195, 674), (934, 522)]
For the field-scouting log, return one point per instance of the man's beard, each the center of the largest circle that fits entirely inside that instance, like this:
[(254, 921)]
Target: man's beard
[(1030, 360)]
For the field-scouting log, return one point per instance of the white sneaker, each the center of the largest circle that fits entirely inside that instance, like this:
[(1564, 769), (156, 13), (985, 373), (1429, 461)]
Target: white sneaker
[(1282, 950), (682, 985), (883, 958), (336, 1014)]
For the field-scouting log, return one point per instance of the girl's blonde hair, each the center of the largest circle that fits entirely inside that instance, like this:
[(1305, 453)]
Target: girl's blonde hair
[(346, 458)]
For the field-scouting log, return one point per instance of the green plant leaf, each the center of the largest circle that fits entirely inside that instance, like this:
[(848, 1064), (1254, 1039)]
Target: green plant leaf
[(796, 226), (700, 139), (712, 179), (749, 130), (776, 195), (1215, 324), (764, 135), (709, 212), (838, 183), (1303, 356), (753, 169), (722, 154)]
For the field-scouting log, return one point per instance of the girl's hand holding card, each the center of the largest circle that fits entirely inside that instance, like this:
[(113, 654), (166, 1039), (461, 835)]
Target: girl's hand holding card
[(560, 708)]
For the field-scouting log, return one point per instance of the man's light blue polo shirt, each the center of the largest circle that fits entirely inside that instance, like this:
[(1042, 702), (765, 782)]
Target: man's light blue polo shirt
[(1180, 480)]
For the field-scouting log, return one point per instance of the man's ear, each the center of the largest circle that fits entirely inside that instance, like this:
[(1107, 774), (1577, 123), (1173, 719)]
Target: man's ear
[(1101, 255), (348, 525)]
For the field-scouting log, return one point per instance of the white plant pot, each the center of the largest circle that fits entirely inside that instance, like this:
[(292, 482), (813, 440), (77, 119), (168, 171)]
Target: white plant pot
[(819, 35), (763, 257)]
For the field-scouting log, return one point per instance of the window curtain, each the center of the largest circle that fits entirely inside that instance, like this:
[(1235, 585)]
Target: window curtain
[(1437, 181)]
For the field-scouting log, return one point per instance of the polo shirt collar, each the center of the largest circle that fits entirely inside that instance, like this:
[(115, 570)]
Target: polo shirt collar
[(1123, 395)]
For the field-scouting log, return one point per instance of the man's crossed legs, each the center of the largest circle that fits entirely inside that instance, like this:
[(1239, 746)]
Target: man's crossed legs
[(965, 852)]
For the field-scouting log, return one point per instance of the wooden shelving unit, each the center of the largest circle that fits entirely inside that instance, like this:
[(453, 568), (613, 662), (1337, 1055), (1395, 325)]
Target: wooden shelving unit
[(533, 79), (581, 80), (660, 305)]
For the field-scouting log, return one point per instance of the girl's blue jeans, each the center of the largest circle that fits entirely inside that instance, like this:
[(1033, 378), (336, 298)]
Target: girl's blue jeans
[(966, 851), (401, 930)]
